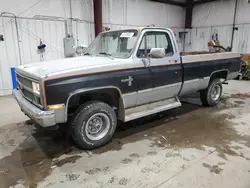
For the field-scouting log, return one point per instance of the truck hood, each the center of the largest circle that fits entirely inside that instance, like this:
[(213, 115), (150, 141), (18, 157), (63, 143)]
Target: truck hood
[(50, 68)]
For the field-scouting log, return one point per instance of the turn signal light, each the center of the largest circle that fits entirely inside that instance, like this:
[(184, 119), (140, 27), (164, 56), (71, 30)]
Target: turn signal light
[(57, 106)]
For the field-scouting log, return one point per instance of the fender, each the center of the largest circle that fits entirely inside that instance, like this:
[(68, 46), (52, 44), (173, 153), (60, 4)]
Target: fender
[(207, 79), (218, 71), (85, 90)]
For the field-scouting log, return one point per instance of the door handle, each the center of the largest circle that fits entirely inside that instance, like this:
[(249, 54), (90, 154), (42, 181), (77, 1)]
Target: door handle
[(146, 62)]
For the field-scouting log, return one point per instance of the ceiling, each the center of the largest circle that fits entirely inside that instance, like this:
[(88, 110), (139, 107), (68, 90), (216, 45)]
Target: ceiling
[(183, 3)]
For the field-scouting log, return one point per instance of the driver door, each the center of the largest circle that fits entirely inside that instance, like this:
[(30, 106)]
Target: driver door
[(161, 78)]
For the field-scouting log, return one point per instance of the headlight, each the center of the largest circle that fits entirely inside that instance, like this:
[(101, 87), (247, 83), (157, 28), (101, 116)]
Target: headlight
[(36, 88)]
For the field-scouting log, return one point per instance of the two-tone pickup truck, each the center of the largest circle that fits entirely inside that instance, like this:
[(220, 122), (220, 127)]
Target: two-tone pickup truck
[(124, 75)]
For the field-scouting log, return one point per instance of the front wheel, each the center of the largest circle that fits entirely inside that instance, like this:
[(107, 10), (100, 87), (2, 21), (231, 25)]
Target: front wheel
[(212, 95), (94, 124)]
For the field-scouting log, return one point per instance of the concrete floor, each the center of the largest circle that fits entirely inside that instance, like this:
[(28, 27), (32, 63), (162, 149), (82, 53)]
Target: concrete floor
[(190, 146)]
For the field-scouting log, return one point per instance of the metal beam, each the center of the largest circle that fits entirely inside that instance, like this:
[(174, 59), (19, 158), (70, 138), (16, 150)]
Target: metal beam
[(202, 1), (233, 31), (189, 14), (171, 2), (97, 16)]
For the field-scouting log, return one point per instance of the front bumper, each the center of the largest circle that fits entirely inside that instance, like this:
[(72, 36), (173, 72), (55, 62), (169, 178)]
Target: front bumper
[(43, 118)]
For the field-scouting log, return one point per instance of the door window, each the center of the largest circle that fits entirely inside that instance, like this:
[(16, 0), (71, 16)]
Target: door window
[(154, 39)]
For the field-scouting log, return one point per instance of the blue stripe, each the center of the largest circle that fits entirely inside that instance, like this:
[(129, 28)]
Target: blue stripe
[(13, 76)]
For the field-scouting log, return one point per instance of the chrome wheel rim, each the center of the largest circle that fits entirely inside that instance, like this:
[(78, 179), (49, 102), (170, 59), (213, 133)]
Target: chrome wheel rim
[(216, 92), (97, 126)]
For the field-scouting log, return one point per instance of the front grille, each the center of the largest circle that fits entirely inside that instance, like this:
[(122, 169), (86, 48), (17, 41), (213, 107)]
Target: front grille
[(24, 81), (25, 86)]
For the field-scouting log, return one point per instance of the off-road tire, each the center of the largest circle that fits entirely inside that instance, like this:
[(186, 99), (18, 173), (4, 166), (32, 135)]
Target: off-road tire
[(206, 95), (81, 117)]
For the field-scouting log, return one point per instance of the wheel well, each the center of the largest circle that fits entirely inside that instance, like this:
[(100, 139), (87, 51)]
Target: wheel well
[(110, 96), (220, 75)]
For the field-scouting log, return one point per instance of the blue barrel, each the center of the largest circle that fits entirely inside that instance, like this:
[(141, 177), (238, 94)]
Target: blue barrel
[(13, 76)]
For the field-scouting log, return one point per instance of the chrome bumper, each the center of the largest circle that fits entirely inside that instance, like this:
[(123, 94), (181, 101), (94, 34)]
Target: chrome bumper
[(43, 118)]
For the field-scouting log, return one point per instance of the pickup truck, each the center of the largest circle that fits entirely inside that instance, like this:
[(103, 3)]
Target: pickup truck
[(123, 75)]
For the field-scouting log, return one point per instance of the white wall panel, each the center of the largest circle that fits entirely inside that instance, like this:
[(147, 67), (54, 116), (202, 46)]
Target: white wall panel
[(83, 33), (82, 9), (214, 14), (221, 13), (248, 41), (224, 34), (180, 41), (218, 17), (241, 39), (243, 13), (8, 55), (114, 11), (142, 13), (200, 37), (30, 33), (197, 39), (148, 12)]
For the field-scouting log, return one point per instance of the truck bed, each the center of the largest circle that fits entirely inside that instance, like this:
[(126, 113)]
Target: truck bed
[(193, 57), (199, 53), (198, 69)]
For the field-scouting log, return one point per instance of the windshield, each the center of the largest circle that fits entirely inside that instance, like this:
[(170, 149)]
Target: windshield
[(117, 44)]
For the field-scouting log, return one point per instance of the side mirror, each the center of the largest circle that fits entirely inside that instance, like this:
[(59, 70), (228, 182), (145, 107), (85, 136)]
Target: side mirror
[(84, 49), (81, 49), (157, 53)]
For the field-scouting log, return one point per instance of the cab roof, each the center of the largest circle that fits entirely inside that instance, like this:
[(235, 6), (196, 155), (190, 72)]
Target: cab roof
[(138, 29)]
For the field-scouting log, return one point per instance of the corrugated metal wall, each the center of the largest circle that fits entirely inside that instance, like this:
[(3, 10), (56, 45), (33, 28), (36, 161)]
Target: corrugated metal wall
[(217, 17), (197, 38), (30, 32)]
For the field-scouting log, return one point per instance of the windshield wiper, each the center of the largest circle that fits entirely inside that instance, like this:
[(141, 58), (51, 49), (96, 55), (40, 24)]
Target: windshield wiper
[(107, 54)]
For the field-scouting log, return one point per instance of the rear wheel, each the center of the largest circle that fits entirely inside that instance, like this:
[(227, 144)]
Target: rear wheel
[(212, 95), (94, 124)]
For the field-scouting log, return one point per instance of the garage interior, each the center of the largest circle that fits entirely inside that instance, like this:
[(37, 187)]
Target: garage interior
[(191, 146)]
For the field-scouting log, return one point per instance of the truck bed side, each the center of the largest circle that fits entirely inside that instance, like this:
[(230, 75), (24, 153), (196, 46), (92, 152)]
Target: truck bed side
[(198, 69)]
